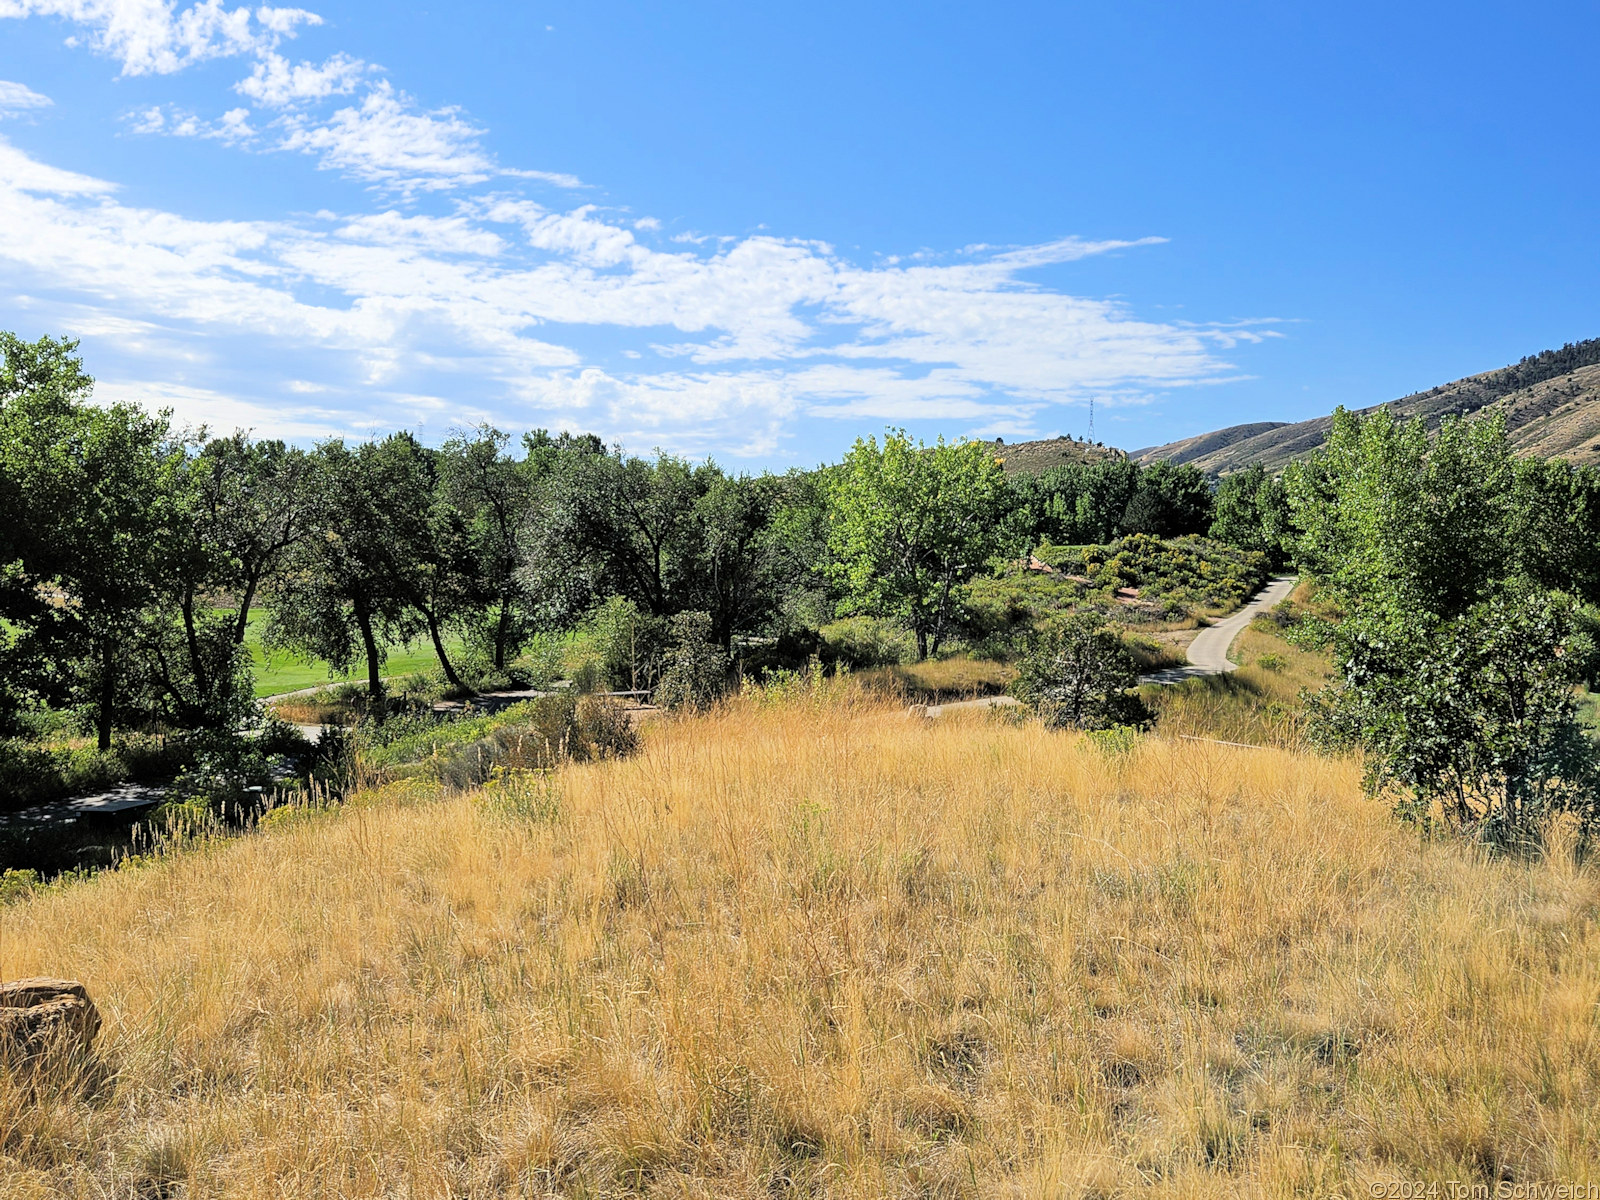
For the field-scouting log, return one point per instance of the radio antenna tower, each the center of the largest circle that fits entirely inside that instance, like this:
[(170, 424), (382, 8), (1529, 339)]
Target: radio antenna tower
[(1091, 419)]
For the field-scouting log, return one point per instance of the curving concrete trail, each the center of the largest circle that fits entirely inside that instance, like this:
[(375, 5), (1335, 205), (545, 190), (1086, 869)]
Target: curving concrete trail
[(1208, 653)]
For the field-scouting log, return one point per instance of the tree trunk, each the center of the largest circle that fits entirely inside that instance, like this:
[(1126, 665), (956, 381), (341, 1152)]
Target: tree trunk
[(374, 680), (922, 644), (197, 663), (444, 659), (243, 618), (108, 695), (501, 629)]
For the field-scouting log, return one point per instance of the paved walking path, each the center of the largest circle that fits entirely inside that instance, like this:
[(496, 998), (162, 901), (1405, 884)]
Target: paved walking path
[(1208, 653)]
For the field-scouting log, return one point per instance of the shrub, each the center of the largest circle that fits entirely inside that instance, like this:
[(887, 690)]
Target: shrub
[(463, 752), (696, 673), (858, 642), (1472, 719), (224, 769), (631, 644), (1078, 674), (603, 729), (544, 661)]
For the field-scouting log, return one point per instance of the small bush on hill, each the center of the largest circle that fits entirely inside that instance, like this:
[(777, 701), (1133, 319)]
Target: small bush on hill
[(1078, 675), (464, 752), (630, 643), (696, 668), (1186, 573), (858, 642)]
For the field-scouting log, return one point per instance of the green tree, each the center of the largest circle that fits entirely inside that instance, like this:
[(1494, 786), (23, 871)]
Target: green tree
[(1555, 533), (43, 388), (493, 494), (119, 463), (252, 503), (1169, 500), (352, 584), (112, 556), (1251, 511), (742, 565), (1472, 717), (236, 507), (1456, 662), (1392, 520), (608, 524), (910, 524), (1073, 504), (631, 643), (695, 670), (1077, 674)]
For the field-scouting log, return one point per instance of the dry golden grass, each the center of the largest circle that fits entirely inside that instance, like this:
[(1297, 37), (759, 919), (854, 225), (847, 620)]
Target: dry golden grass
[(944, 678), (1258, 703), (825, 949)]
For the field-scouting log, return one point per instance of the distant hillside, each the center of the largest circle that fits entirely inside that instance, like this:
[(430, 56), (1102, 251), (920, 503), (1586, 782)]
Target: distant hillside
[(1033, 458), (1551, 401)]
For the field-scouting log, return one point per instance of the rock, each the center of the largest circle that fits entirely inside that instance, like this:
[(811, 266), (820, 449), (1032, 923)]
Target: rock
[(38, 1016)]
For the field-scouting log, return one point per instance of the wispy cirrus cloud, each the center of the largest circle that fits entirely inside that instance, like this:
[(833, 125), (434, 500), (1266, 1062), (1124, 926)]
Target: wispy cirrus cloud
[(385, 139), (459, 296), (18, 98)]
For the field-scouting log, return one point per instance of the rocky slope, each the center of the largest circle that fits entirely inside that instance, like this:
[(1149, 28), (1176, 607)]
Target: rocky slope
[(1551, 402)]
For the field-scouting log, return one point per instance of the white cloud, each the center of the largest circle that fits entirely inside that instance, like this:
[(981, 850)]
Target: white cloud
[(383, 139), (724, 343), (232, 128), (157, 37), (196, 407), (386, 140), (17, 97), (768, 331), (275, 82)]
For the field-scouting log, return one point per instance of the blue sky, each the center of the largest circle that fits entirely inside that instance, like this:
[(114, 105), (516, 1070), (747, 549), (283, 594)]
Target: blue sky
[(758, 231)]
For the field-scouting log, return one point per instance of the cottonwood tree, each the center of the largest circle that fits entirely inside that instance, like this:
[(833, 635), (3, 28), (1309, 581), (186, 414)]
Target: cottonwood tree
[(350, 584), (1251, 511), (606, 524), (1470, 720), (493, 495), (1456, 663), (237, 506), (1169, 500), (252, 504), (910, 524), (42, 388), (743, 563)]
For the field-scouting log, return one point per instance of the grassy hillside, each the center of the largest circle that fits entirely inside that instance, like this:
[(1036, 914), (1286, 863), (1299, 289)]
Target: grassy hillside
[(1551, 402), (814, 946), (1034, 458)]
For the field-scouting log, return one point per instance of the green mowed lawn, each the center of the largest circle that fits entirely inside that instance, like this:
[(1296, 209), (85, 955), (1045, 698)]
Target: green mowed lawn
[(280, 671)]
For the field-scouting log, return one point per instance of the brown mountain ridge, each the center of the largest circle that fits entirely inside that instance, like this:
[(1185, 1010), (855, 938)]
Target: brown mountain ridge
[(1551, 402)]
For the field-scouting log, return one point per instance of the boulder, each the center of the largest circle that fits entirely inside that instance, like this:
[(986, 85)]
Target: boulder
[(38, 1016)]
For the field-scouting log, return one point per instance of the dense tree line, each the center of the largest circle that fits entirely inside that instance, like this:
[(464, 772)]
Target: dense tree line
[(135, 556)]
